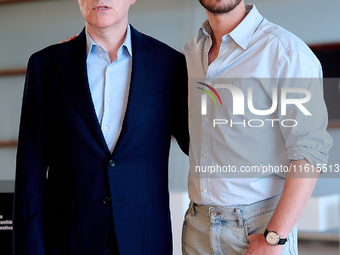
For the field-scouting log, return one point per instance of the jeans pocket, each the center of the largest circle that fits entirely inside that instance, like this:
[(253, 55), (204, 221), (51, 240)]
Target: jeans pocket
[(246, 232)]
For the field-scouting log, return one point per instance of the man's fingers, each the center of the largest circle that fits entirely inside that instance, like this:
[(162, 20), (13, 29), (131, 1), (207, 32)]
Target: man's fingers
[(70, 38)]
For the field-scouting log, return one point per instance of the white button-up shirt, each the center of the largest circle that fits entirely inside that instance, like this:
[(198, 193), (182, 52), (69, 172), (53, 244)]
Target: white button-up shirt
[(240, 157), (109, 85)]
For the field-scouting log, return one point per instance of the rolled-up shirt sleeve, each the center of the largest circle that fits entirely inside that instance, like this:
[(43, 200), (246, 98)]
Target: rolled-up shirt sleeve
[(306, 137)]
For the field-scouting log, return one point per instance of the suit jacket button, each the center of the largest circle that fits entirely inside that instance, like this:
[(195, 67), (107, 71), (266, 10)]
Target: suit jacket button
[(112, 163), (106, 200)]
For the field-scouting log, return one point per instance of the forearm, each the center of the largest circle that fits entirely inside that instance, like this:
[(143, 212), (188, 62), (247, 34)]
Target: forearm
[(296, 193)]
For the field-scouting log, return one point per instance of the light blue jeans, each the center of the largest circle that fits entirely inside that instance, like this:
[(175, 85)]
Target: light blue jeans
[(225, 230)]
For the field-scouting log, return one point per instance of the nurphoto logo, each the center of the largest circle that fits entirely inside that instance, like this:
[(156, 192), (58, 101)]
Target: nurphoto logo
[(238, 104)]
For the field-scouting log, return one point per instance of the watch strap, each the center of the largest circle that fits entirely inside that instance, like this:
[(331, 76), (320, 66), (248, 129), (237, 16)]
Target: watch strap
[(266, 233), (282, 241)]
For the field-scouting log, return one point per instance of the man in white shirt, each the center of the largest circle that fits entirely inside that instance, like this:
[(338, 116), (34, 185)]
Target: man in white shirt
[(247, 160)]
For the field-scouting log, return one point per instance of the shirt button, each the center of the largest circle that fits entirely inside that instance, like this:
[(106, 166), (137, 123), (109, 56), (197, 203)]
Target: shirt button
[(205, 190), (109, 69), (112, 163), (209, 83), (106, 200), (100, 49), (108, 99), (205, 154), (206, 119), (106, 128)]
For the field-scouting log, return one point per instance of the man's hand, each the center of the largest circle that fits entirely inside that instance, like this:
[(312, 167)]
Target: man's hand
[(295, 195), (259, 246), (70, 38)]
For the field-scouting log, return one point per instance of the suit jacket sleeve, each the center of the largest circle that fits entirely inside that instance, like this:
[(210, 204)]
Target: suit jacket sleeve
[(30, 170), (179, 114)]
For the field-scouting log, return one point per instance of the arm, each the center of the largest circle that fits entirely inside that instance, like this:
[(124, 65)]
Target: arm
[(30, 170), (179, 106), (307, 144), (299, 188), (296, 193)]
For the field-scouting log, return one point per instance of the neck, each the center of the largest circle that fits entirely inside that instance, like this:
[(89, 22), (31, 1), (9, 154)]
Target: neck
[(111, 38), (222, 24)]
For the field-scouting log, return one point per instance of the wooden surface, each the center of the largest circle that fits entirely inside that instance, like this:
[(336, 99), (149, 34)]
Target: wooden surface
[(12, 72), (17, 1), (326, 46), (8, 144)]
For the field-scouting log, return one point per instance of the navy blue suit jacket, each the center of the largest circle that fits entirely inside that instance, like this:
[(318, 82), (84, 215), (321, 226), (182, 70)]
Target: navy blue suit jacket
[(68, 184)]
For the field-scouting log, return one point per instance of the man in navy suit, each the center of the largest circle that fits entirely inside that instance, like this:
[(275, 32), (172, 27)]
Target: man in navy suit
[(97, 117)]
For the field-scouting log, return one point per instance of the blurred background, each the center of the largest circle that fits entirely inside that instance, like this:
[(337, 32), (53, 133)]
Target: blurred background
[(28, 26)]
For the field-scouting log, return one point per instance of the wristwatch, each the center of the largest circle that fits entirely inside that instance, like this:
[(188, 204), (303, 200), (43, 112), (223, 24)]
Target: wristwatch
[(273, 238)]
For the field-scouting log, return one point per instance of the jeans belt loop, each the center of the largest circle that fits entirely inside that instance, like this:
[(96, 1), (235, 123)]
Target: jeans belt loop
[(238, 212)]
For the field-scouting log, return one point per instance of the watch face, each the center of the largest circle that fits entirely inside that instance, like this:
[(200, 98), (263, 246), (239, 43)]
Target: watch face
[(272, 238)]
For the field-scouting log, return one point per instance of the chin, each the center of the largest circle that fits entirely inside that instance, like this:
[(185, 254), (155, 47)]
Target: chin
[(103, 24)]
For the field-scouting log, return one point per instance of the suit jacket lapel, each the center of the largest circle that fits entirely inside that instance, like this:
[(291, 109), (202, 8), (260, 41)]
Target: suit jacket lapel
[(144, 66), (71, 65)]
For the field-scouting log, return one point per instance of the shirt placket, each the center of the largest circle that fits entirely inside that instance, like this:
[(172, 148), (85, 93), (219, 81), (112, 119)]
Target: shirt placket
[(105, 125), (206, 158), (205, 138)]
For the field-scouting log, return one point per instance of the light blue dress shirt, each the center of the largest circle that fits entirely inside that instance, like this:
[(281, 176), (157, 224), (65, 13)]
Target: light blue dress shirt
[(262, 56), (109, 85)]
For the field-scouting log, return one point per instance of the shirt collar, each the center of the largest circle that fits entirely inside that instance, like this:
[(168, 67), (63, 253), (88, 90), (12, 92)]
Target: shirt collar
[(242, 33), (127, 42), (205, 30)]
